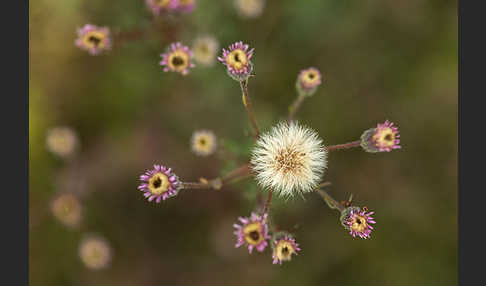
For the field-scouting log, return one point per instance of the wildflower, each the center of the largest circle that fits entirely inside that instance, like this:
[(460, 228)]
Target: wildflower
[(205, 49), (289, 159), (94, 39), (159, 6), (308, 81), (185, 6), (357, 221), (383, 138), (249, 8), (177, 59), (253, 232), (95, 252), (203, 142), (283, 247), (159, 184), (67, 209), (237, 60), (62, 141)]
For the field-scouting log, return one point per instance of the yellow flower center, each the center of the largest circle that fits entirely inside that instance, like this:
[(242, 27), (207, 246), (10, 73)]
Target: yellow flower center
[(310, 77), (253, 233), (385, 138), (178, 60), (203, 143), (237, 59), (158, 183), (359, 223), (94, 39), (284, 250), (161, 3)]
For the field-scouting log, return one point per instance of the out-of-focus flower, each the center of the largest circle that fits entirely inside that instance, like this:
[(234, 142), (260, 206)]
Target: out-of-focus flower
[(94, 39), (159, 6), (62, 141), (205, 49), (384, 138), (203, 142), (283, 246), (185, 6), (237, 60), (358, 221), (290, 159), (67, 209), (249, 8), (177, 59), (95, 252), (253, 232), (159, 183), (308, 81)]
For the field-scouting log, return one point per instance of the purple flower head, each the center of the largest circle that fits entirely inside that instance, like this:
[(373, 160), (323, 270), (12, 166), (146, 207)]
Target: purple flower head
[(237, 61), (283, 245), (159, 183), (177, 59), (94, 39), (186, 6), (160, 6), (384, 138), (358, 221), (308, 81), (253, 232)]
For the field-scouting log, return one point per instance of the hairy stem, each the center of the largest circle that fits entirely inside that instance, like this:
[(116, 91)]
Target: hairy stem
[(217, 183), (344, 146), (248, 106), (267, 202), (332, 203), (295, 106)]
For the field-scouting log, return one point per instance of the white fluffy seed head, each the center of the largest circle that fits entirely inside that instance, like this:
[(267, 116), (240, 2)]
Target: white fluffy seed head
[(290, 159)]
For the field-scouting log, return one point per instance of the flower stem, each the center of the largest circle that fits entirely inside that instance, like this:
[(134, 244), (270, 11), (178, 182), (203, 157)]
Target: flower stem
[(295, 106), (332, 203), (344, 146), (242, 171), (248, 106), (217, 183), (267, 202)]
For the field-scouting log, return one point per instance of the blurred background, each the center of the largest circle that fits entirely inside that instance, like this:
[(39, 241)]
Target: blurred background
[(382, 59)]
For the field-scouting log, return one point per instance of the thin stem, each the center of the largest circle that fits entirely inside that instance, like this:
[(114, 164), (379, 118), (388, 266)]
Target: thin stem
[(295, 106), (193, 185), (248, 106), (239, 172), (344, 146), (267, 202), (332, 203)]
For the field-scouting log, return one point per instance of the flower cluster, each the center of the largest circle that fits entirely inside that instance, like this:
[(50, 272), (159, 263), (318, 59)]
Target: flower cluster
[(203, 142), (160, 183), (94, 39), (357, 221), (253, 232), (308, 81), (283, 246), (384, 138), (170, 6), (249, 8), (237, 61), (95, 252), (62, 141), (177, 59)]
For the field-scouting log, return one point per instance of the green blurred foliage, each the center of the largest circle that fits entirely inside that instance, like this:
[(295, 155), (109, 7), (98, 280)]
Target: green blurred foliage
[(383, 59)]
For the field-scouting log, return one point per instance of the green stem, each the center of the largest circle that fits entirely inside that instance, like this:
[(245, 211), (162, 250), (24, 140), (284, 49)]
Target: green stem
[(247, 103)]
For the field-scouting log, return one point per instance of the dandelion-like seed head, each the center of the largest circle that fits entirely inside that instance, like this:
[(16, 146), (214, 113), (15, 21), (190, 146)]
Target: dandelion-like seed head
[(203, 142), (249, 8), (384, 138), (283, 245), (94, 39), (253, 232), (177, 59), (62, 141), (186, 6), (160, 6), (358, 221), (237, 61), (290, 159), (67, 209), (308, 81), (95, 252), (160, 183), (205, 49)]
